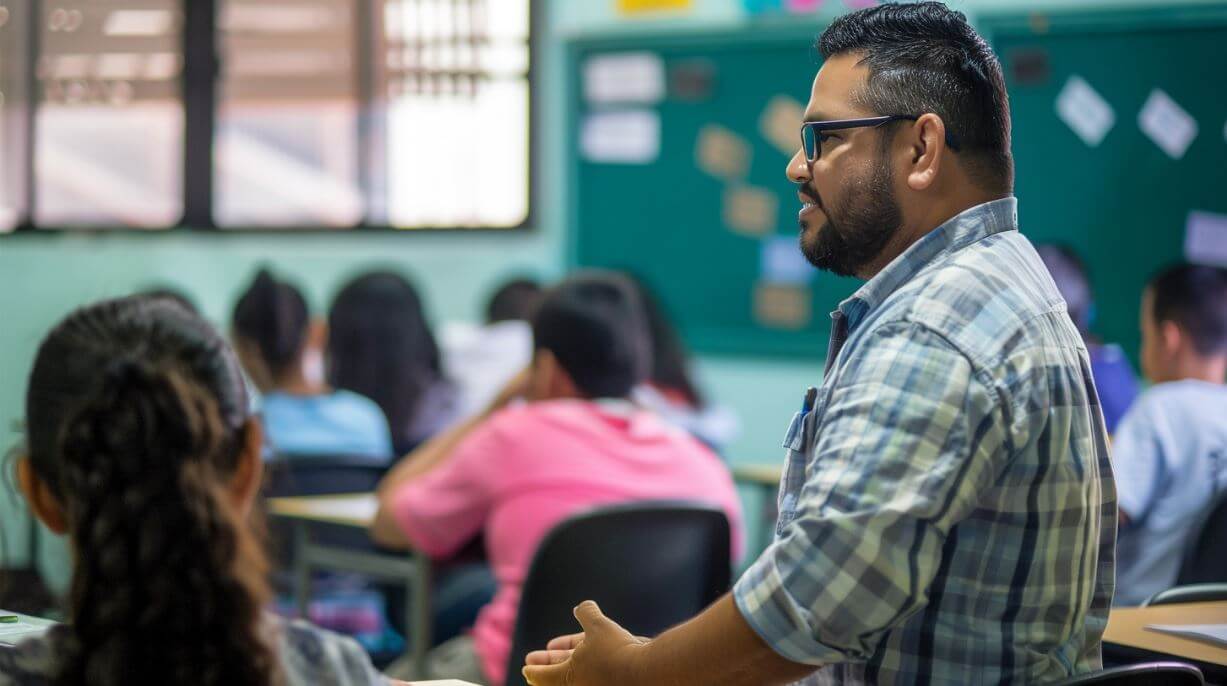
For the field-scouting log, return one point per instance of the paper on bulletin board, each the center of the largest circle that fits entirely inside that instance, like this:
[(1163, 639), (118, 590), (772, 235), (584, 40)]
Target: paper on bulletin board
[(782, 306), (722, 153), (1205, 238), (781, 262), (624, 78), (750, 211), (1085, 111), (780, 123), (632, 7), (621, 137), (1166, 123)]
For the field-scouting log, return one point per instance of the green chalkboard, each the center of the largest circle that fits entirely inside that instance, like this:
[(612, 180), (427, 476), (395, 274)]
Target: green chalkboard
[(664, 218), (1123, 203)]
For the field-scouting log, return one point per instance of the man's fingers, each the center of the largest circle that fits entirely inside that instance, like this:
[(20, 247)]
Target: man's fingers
[(547, 657), (565, 642), (590, 617), (542, 675)]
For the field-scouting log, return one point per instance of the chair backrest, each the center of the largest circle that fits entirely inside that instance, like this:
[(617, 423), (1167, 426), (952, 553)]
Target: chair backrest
[(1193, 593), (297, 475), (1146, 674), (648, 565), (290, 475), (1205, 561)]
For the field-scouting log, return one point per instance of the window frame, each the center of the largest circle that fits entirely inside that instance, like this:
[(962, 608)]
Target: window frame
[(199, 82)]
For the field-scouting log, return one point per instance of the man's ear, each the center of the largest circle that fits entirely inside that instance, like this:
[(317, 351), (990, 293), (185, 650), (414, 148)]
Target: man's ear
[(926, 150), (43, 502), (249, 472)]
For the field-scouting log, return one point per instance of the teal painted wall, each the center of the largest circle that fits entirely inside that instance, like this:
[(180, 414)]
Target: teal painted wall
[(44, 276)]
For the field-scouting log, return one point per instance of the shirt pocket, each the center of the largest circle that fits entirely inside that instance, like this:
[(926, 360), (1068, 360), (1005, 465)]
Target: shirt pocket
[(797, 451)]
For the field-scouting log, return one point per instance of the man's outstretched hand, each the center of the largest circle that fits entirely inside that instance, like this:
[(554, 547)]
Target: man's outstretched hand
[(604, 653)]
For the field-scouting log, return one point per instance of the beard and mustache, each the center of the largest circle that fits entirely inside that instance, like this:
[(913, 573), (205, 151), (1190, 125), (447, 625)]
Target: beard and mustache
[(858, 228)]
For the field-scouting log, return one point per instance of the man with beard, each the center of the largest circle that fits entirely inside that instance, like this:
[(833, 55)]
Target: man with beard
[(947, 512)]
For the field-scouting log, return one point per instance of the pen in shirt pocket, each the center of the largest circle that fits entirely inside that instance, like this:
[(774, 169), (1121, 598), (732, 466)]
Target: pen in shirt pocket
[(811, 394)]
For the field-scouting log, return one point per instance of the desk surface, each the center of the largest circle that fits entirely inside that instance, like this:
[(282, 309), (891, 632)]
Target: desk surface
[(761, 474), (347, 509), (1127, 627)]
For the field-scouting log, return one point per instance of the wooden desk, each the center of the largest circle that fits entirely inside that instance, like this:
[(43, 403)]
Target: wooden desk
[(1127, 639), (765, 475), (356, 511)]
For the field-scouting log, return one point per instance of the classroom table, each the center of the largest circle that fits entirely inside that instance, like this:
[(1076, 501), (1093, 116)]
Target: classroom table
[(356, 510), (1127, 640), (765, 480)]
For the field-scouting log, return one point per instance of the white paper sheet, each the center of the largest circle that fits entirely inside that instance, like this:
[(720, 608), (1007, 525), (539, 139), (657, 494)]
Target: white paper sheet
[(1205, 238), (1214, 633), (1085, 111), (622, 78), (627, 137), (1167, 124), (359, 508), (26, 627)]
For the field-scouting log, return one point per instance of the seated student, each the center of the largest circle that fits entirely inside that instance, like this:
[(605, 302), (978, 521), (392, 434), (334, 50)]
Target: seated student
[(1170, 452), (1114, 378), (482, 359), (380, 345), (272, 331), (518, 470), (141, 448), (670, 391)]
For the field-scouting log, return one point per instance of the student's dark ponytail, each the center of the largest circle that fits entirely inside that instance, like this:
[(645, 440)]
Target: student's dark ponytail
[(136, 421), (273, 316)]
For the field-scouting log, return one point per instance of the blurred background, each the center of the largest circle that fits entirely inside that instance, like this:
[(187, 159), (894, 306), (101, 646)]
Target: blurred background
[(463, 142)]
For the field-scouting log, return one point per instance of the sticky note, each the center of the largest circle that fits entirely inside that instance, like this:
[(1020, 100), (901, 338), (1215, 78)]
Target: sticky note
[(1085, 111), (1167, 124), (722, 153), (627, 77), (621, 137), (780, 123), (750, 211), (782, 306)]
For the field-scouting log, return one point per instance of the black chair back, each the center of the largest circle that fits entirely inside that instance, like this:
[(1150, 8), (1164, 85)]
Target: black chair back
[(1205, 561), (1193, 593), (1148, 674), (302, 475), (649, 566)]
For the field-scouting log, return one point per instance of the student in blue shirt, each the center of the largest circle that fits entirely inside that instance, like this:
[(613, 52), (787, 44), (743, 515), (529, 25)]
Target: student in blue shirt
[(1114, 378), (1170, 452), (302, 416)]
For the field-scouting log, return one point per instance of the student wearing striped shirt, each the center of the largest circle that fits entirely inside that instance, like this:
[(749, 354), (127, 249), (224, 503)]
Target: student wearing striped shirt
[(947, 514)]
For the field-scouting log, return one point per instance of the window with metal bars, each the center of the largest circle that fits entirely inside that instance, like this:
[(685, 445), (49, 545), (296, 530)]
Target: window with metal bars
[(265, 114)]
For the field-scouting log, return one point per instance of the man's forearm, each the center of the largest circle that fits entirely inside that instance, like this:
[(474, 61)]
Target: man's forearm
[(718, 648)]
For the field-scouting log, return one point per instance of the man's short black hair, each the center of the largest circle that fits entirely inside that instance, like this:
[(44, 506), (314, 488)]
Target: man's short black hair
[(1195, 298), (593, 324), (925, 58), (514, 300)]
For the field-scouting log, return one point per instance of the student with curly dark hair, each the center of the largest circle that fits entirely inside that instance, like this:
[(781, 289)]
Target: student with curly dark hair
[(141, 448)]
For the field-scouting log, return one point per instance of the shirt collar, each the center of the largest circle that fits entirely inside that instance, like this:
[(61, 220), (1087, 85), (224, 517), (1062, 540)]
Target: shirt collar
[(964, 229)]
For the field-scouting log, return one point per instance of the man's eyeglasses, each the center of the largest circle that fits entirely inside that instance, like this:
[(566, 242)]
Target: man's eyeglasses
[(813, 133)]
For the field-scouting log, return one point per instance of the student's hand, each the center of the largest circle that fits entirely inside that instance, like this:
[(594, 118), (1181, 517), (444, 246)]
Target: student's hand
[(604, 653), (517, 387)]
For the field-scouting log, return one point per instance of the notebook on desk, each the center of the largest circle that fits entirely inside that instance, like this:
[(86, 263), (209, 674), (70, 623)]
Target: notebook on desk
[(1208, 633), (14, 631)]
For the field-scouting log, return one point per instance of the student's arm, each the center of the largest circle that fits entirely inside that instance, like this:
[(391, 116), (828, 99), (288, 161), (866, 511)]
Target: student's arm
[(426, 459), (718, 647)]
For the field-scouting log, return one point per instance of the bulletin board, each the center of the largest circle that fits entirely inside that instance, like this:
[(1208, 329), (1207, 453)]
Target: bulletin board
[(654, 190), (1127, 188), (678, 148)]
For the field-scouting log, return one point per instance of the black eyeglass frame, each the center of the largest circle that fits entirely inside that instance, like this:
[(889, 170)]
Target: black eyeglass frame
[(817, 127)]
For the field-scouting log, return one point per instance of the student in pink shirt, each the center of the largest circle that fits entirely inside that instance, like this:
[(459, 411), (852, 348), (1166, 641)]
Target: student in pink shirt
[(517, 470)]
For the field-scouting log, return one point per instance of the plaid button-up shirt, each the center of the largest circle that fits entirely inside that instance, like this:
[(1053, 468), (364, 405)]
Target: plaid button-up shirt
[(947, 513)]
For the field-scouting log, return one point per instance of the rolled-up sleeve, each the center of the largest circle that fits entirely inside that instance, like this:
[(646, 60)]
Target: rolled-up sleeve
[(907, 437)]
